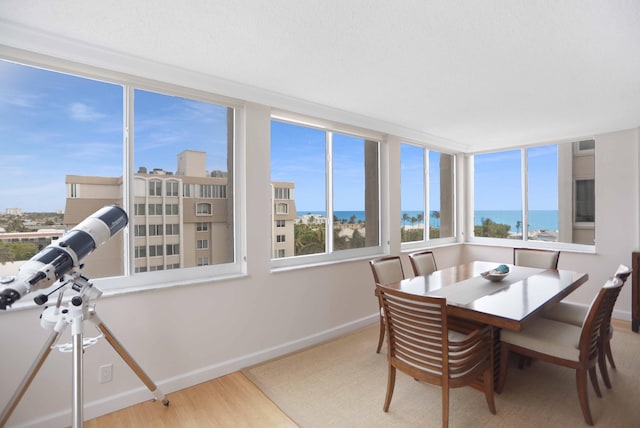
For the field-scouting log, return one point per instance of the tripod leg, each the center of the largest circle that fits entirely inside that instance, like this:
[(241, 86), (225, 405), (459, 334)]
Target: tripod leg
[(117, 346), (78, 349), (26, 381)]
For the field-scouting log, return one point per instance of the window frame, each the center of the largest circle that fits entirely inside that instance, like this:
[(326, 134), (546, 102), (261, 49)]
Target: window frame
[(334, 256), (525, 241), (177, 277), (427, 242)]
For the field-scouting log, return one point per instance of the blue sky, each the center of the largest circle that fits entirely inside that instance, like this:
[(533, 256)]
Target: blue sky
[(497, 180), (54, 124)]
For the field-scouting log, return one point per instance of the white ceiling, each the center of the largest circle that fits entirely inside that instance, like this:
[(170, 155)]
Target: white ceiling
[(481, 74)]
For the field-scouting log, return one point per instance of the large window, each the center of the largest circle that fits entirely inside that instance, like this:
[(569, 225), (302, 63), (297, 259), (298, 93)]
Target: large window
[(332, 180), (59, 132), (70, 130), (553, 201), (427, 186)]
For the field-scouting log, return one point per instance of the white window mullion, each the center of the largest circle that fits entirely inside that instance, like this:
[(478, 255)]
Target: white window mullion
[(425, 184), (329, 185), (128, 197), (525, 194)]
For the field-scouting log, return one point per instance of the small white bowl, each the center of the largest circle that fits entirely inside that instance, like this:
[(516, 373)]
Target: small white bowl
[(494, 275)]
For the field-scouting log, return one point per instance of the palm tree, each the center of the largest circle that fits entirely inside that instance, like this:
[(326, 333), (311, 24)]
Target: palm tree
[(405, 218), (518, 226), (436, 216)]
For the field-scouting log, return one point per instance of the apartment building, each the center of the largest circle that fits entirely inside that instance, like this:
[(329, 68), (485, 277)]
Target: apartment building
[(179, 219)]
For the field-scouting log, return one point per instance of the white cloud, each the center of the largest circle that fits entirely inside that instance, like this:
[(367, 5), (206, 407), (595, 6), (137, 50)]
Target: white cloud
[(80, 111)]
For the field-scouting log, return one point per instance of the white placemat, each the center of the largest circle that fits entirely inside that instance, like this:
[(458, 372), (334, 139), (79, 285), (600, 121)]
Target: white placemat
[(468, 290)]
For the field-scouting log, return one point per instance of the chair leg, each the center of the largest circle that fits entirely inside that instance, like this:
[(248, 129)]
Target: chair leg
[(594, 381), (488, 389), (391, 382), (504, 361), (602, 363), (381, 338), (581, 383), (607, 349), (445, 406)]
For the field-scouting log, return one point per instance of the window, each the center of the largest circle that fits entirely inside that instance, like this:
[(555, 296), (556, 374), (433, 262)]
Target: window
[(497, 189), (280, 253), (203, 209), (553, 201), (155, 230), (172, 209), (203, 261), (281, 223), (426, 176), (173, 249), (337, 191), (155, 250), (139, 209), (202, 244), (155, 188), (202, 227), (585, 201), (155, 209), (282, 209), (585, 146), (140, 230), (140, 251), (212, 191), (173, 229), (162, 136), (82, 121), (281, 193), (72, 190), (172, 188)]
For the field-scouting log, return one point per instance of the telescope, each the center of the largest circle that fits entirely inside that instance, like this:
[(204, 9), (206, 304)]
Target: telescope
[(59, 262), (64, 255)]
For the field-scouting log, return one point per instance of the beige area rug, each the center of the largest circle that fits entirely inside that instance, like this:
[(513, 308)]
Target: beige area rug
[(342, 383)]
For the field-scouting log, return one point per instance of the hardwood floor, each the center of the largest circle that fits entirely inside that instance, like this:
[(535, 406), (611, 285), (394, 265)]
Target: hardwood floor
[(228, 401)]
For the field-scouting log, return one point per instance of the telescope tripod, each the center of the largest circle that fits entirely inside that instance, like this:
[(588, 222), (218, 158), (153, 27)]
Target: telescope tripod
[(56, 319)]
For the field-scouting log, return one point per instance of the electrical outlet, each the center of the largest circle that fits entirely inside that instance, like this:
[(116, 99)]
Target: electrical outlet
[(106, 373)]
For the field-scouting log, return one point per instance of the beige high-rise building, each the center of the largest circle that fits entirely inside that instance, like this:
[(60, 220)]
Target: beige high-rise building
[(177, 220)]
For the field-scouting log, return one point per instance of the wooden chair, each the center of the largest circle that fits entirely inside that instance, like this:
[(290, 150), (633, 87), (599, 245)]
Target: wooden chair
[(575, 314), (565, 344), (386, 270), (544, 259), (423, 263), (422, 346)]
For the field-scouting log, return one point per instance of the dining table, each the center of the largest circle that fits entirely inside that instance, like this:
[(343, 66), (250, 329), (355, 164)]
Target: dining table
[(509, 303)]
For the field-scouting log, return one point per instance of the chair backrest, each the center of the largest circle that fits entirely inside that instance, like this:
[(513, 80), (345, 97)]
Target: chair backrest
[(419, 342), (423, 263), (387, 270), (417, 333), (597, 318), (533, 257), (623, 272)]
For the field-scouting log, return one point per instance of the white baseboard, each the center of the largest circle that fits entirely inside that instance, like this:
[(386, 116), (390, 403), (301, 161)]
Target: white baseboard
[(138, 395)]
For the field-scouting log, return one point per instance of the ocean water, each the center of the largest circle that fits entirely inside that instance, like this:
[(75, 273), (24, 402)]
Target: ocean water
[(538, 219)]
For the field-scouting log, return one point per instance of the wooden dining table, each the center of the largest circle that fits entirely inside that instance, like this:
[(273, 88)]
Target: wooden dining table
[(509, 303)]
